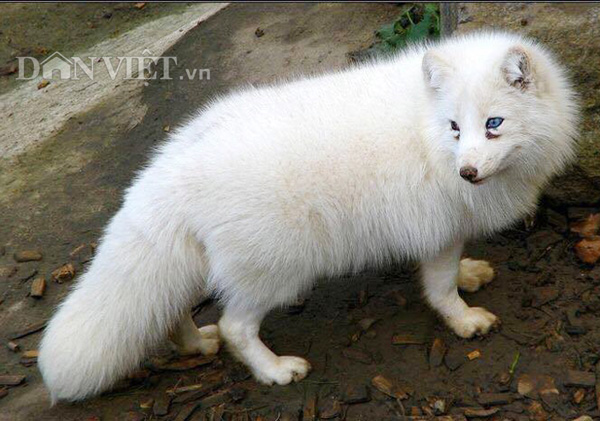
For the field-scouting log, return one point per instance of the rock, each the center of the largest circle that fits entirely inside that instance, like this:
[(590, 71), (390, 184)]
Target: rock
[(11, 380), (437, 352), (578, 396), (584, 418), (480, 412), (28, 256), (64, 273), (161, 406), (544, 295), (588, 250), (331, 408), (454, 359), (473, 355), (13, 346), (490, 399), (580, 378), (588, 227), (354, 394), (534, 385), (387, 387), (38, 287), (358, 355)]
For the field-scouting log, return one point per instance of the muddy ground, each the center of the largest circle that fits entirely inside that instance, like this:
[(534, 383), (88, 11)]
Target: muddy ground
[(59, 196)]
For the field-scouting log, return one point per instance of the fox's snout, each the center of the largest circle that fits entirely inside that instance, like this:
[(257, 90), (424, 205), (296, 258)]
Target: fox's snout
[(468, 173)]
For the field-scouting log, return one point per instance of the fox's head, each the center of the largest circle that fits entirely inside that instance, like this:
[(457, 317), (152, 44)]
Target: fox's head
[(500, 103)]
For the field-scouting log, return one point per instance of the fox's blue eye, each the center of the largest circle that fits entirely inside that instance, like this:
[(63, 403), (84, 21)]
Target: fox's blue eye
[(494, 122)]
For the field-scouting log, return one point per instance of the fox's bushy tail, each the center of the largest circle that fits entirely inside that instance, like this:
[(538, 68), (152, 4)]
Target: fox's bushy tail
[(132, 294)]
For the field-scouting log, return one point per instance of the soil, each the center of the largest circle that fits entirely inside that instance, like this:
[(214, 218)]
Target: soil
[(61, 195)]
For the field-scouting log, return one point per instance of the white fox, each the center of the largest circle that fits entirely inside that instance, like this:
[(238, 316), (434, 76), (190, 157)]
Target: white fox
[(268, 189)]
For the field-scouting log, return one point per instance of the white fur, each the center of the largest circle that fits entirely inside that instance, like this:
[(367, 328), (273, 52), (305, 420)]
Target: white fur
[(270, 188)]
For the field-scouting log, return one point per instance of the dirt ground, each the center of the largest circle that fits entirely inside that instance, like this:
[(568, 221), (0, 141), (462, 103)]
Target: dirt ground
[(540, 363)]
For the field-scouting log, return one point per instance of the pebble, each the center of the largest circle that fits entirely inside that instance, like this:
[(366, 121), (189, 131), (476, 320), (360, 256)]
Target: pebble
[(27, 256)]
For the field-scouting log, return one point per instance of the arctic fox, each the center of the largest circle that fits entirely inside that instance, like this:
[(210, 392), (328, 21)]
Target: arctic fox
[(268, 189)]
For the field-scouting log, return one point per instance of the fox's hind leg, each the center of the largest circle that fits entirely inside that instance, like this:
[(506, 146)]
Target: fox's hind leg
[(473, 274), (239, 327), (189, 340), (441, 280)]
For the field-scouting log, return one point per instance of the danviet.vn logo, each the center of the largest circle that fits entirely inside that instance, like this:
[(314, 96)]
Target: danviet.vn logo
[(57, 66)]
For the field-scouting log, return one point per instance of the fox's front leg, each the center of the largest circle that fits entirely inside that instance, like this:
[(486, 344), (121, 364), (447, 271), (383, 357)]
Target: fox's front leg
[(441, 278)]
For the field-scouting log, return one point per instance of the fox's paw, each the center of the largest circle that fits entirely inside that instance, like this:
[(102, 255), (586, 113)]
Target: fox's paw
[(473, 274), (207, 342), (474, 321), (284, 371)]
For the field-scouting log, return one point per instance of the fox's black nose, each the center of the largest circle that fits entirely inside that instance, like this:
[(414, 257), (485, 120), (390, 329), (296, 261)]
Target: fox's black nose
[(468, 173)]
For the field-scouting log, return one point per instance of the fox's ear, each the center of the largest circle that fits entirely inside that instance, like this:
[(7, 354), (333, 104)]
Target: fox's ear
[(517, 68), (435, 69)]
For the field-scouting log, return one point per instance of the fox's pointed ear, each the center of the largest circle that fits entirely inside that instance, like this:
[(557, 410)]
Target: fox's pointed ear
[(435, 69), (517, 68)]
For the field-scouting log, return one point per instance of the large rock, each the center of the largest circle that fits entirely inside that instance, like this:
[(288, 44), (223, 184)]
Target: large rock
[(570, 30)]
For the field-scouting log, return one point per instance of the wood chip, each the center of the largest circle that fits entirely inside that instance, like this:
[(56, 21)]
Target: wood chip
[(64, 273), (474, 355), (580, 378), (437, 352), (386, 386), (30, 354), (480, 412), (578, 396), (11, 380), (407, 339), (309, 412), (38, 287), (588, 250), (13, 346)]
